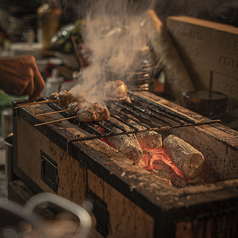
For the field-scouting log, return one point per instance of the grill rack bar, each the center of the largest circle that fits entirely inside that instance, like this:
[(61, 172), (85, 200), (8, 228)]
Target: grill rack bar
[(128, 116), (160, 107), (141, 111), (140, 131), (137, 115)]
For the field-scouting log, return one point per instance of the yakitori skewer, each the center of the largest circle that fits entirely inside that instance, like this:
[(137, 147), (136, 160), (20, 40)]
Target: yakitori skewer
[(32, 103), (49, 122), (49, 113)]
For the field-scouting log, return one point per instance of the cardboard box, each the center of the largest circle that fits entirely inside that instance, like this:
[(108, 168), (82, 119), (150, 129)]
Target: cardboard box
[(209, 51)]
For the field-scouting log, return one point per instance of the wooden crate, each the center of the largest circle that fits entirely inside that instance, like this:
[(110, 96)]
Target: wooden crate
[(209, 51)]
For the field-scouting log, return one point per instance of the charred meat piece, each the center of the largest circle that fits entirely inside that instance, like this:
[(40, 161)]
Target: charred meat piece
[(125, 98), (74, 107), (102, 114), (86, 115), (66, 98), (53, 96), (116, 90), (94, 113)]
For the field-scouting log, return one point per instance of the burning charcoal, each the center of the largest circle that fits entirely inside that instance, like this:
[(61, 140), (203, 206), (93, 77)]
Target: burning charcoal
[(151, 139), (178, 181), (175, 71), (144, 161), (185, 156), (162, 173), (196, 180), (161, 169), (127, 144)]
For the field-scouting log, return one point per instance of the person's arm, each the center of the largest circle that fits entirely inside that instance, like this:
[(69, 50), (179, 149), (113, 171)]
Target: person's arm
[(20, 76)]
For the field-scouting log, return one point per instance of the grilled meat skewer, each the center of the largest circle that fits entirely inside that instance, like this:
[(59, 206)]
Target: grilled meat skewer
[(88, 114), (116, 91), (53, 96), (65, 98), (91, 112)]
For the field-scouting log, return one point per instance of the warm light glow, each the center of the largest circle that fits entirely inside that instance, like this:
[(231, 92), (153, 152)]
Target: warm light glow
[(156, 159), (157, 154)]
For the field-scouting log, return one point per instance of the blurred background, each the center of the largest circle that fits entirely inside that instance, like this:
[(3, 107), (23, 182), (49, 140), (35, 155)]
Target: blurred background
[(53, 32)]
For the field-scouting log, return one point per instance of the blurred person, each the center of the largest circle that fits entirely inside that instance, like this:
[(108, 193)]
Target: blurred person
[(19, 76)]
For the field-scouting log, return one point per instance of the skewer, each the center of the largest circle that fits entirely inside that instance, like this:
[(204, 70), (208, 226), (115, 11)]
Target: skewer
[(48, 122), (49, 113), (32, 103)]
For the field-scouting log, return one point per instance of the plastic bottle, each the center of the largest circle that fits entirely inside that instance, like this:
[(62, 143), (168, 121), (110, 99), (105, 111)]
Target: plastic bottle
[(48, 17), (53, 83)]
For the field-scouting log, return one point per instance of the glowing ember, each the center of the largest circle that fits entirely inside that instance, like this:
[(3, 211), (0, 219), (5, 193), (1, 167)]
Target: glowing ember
[(159, 163), (157, 154)]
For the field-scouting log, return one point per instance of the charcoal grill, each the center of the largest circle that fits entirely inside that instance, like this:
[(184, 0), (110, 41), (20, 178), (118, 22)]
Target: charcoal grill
[(151, 115), (69, 159)]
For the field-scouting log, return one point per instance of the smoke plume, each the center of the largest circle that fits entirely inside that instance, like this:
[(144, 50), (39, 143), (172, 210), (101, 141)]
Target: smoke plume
[(116, 40)]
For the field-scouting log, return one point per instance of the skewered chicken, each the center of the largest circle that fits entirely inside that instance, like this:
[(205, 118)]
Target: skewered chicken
[(66, 98), (74, 107), (102, 114), (91, 112), (95, 113), (116, 91), (86, 115), (54, 96)]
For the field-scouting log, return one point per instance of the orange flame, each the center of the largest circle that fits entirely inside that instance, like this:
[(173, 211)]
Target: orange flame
[(157, 154), (156, 159)]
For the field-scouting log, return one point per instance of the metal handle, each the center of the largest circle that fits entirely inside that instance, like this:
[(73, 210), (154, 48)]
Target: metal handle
[(81, 213)]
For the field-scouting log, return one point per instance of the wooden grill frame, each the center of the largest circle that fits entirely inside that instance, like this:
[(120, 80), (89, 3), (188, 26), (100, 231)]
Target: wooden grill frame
[(173, 212)]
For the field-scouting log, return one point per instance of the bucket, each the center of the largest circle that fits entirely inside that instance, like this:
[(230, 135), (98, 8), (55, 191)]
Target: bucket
[(207, 103)]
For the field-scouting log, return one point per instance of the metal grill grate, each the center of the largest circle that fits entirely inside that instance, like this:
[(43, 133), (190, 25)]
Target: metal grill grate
[(142, 112)]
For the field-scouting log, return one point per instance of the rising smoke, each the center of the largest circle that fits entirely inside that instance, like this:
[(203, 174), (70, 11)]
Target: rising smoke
[(116, 41), (114, 34)]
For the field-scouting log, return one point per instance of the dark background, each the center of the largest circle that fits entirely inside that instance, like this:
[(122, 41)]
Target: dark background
[(223, 11)]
